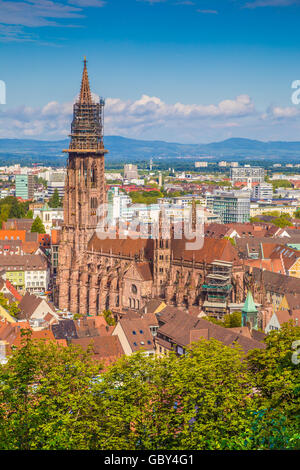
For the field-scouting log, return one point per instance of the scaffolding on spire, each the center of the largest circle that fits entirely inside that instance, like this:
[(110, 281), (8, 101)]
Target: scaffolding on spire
[(88, 120)]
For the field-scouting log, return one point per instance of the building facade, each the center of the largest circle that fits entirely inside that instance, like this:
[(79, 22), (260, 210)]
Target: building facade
[(246, 174), (25, 186), (232, 207)]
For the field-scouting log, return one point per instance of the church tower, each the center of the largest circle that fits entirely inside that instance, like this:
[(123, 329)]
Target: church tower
[(162, 255), (84, 189)]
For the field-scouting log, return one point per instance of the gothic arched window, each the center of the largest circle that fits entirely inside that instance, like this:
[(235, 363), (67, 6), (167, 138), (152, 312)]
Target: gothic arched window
[(133, 289)]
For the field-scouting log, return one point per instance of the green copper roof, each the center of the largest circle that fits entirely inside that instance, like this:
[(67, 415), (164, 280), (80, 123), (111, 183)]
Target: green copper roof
[(249, 305)]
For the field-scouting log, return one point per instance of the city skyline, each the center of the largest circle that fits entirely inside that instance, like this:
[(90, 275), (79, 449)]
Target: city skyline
[(181, 71)]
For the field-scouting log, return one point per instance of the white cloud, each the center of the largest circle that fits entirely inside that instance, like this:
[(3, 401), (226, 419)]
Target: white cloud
[(17, 15), (208, 12), (88, 3), (149, 117), (280, 113), (126, 117), (270, 3)]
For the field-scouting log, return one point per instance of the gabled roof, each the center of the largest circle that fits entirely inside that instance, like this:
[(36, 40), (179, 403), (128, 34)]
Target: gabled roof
[(24, 262), (64, 329), (29, 304), (11, 333), (13, 290), (107, 348), (285, 316), (180, 327), (144, 269), (152, 306), (293, 300), (210, 251), (137, 333), (125, 247), (275, 282)]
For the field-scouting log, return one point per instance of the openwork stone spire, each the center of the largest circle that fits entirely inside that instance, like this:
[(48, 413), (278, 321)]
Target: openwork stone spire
[(88, 119), (85, 91)]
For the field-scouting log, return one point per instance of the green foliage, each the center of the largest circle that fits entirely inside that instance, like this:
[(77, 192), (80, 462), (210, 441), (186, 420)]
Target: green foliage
[(40, 180), (280, 184), (297, 214), (254, 220), (29, 214), (38, 226), (11, 208), (12, 307), (280, 220), (17, 210), (275, 374), (284, 220), (232, 240), (77, 316), (145, 197), (230, 320), (54, 201), (109, 318), (233, 320), (213, 397), (48, 397)]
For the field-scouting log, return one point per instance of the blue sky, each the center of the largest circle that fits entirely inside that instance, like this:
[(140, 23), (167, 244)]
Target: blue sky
[(177, 70)]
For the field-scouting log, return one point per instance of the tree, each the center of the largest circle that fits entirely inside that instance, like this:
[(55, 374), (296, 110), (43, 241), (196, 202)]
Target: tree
[(13, 309), (47, 400), (38, 226), (29, 214), (109, 318), (54, 201), (230, 320), (232, 240), (16, 210), (233, 320), (277, 378), (211, 397), (197, 401)]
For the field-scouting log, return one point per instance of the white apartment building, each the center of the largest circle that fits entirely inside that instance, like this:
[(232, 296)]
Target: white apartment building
[(37, 280), (262, 191)]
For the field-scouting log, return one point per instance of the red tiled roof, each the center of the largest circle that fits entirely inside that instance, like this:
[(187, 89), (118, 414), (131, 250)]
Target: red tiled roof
[(284, 316), (13, 234), (105, 348), (137, 333), (13, 291)]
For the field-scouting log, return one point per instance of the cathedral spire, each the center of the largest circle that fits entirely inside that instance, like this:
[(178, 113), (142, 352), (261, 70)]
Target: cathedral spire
[(85, 92)]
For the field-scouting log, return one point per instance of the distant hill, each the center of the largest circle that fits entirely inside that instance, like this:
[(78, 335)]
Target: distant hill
[(122, 149)]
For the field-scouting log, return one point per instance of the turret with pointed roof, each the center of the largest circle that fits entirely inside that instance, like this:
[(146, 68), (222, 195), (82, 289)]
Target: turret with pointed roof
[(249, 312)]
